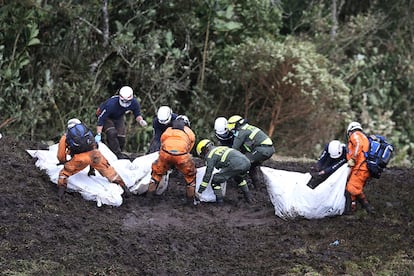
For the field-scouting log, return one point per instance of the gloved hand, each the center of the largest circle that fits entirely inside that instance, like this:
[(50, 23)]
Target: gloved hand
[(143, 123), (351, 162), (61, 192), (314, 168), (196, 201), (127, 192), (98, 138), (314, 174), (91, 172), (202, 187)]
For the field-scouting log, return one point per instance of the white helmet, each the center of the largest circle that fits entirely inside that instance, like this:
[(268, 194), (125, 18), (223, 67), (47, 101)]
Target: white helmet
[(220, 126), (353, 126), (185, 119), (335, 149), (164, 114), (126, 94), (72, 122)]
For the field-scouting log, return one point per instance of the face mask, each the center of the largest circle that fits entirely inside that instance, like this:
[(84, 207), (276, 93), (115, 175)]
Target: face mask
[(124, 103)]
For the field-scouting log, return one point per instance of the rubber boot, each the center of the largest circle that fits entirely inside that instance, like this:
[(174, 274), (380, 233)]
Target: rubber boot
[(121, 141), (257, 176), (113, 143), (353, 206), (219, 195), (247, 195), (190, 194), (348, 201), (61, 191), (368, 207)]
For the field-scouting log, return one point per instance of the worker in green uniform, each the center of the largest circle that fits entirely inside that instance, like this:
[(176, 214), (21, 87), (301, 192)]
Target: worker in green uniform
[(231, 164)]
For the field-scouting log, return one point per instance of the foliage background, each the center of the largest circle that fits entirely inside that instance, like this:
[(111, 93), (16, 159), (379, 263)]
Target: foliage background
[(301, 70)]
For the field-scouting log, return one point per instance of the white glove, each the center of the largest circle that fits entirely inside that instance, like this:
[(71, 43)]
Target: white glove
[(143, 123), (98, 138), (351, 162)]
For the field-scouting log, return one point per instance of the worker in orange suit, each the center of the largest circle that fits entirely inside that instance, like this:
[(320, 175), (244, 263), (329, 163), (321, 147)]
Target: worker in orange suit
[(176, 144), (80, 159), (358, 144)]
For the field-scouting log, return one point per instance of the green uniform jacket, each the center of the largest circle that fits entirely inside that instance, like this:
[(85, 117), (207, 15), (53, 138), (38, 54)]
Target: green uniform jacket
[(253, 142), (230, 161), (249, 137)]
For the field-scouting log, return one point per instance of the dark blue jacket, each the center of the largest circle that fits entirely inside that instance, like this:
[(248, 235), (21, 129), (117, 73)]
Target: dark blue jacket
[(113, 110), (225, 139), (160, 128), (329, 164)]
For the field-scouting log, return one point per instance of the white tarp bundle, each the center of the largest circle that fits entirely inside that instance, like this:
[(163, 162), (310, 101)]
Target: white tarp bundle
[(136, 175), (287, 190), (292, 198)]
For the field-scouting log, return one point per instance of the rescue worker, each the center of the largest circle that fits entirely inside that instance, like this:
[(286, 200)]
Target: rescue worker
[(253, 142), (176, 144), (358, 144), (163, 120), (231, 164), (80, 161), (332, 158), (223, 135), (111, 119)]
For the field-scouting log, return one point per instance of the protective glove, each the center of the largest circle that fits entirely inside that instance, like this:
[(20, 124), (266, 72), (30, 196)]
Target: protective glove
[(196, 201), (351, 162), (98, 138), (314, 168), (91, 172), (61, 192), (143, 123), (202, 187), (314, 174), (127, 192)]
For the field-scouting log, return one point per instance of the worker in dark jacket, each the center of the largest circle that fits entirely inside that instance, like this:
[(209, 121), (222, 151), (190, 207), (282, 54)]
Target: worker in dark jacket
[(163, 120), (231, 164), (176, 144), (111, 119), (332, 158)]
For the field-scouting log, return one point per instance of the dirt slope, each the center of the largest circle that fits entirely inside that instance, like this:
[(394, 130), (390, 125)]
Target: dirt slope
[(41, 235)]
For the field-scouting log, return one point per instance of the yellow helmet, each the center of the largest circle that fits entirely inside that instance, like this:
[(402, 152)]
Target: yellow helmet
[(202, 146), (234, 122)]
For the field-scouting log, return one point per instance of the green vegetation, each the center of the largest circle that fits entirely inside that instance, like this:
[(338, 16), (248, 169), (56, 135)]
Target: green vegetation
[(299, 70)]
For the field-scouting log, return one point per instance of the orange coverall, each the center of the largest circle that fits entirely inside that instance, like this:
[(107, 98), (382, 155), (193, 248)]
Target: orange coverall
[(93, 158), (176, 145), (357, 144)]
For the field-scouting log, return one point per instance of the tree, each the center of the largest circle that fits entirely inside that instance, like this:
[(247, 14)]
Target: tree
[(287, 84)]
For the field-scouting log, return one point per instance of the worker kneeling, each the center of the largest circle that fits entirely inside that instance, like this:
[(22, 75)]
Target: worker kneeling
[(230, 162)]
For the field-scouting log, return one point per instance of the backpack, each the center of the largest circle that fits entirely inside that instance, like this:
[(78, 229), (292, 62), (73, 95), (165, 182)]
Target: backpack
[(378, 155), (80, 139)]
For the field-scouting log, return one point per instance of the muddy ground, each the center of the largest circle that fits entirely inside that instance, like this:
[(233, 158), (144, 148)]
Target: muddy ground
[(41, 235)]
